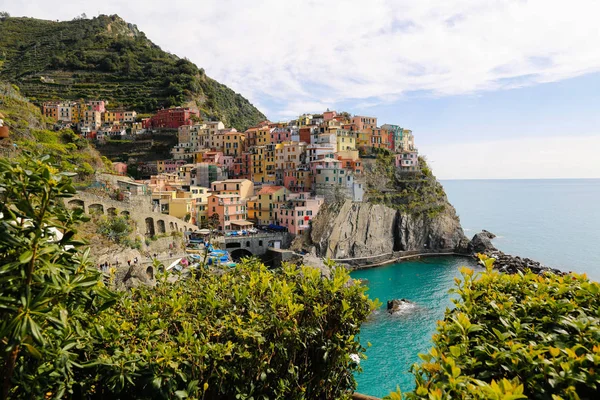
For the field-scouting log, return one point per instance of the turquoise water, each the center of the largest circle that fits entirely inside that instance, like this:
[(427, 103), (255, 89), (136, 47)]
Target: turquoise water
[(396, 340), (554, 221)]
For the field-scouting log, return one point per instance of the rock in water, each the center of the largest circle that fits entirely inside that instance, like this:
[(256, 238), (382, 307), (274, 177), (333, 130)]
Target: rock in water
[(482, 242), (400, 306)]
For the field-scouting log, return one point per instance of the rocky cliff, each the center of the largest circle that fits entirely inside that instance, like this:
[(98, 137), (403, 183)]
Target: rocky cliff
[(356, 230), (401, 212)]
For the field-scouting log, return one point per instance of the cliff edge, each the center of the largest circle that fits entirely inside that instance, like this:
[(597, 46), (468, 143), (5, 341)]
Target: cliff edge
[(402, 211)]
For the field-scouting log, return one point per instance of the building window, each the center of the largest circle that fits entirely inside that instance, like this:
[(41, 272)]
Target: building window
[(260, 242)]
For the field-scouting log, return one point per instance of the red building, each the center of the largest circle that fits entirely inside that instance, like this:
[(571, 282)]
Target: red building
[(171, 118), (304, 134)]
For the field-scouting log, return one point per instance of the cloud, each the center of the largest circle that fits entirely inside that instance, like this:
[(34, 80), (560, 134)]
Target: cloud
[(525, 158), (295, 51)]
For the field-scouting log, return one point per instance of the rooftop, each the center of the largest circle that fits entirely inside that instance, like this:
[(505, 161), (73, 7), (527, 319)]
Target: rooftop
[(270, 189)]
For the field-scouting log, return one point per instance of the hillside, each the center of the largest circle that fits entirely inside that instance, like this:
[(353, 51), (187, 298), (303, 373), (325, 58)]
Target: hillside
[(28, 131), (108, 58)]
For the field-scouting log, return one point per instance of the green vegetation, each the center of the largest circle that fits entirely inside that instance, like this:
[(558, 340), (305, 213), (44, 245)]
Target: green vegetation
[(516, 336), (107, 58), (28, 132), (415, 192), (48, 292), (243, 333), (114, 227), (249, 333)]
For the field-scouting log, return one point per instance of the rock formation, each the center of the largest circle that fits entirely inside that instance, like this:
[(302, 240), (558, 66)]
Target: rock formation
[(401, 305), (482, 244), (356, 230)]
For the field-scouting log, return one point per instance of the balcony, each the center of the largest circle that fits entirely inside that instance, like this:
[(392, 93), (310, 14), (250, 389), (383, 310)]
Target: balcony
[(235, 213), (231, 203)]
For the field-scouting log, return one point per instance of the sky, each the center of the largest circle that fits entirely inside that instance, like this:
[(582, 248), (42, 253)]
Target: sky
[(490, 88)]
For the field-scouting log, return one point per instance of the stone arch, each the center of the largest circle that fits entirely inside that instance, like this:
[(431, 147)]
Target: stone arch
[(76, 203), (171, 226), (161, 226), (238, 254), (111, 211), (125, 213), (150, 273), (96, 209), (150, 226)]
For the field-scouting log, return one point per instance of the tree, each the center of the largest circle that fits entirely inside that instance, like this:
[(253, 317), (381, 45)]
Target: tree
[(4, 15), (48, 290)]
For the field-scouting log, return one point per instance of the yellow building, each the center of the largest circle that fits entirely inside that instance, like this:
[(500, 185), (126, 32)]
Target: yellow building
[(242, 187), (109, 117), (201, 195), (263, 135), (233, 143), (261, 208), (77, 112), (258, 167), (270, 176), (345, 140)]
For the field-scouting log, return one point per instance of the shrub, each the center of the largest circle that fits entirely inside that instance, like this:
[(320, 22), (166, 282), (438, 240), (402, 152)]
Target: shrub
[(243, 333), (248, 333), (48, 290), (114, 227), (516, 336)]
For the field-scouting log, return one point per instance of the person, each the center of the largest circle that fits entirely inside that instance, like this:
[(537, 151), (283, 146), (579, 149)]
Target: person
[(170, 254), (129, 263), (135, 260)]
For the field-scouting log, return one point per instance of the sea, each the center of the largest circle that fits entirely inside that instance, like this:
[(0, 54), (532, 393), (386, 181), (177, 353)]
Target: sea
[(553, 221)]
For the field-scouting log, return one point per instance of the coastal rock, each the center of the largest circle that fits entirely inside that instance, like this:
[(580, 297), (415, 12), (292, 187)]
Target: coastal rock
[(514, 264), (362, 230), (400, 305), (482, 242)]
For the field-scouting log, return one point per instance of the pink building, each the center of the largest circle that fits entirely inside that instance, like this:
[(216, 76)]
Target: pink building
[(230, 210), (407, 161), (297, 211), (329, 115), (98, 105), (227, 162), (363, 122), (280, 135)]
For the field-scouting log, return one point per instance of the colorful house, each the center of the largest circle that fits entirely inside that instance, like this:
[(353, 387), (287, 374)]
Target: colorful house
[(171, 118), (297, 212), (261, 207), (229, 208)]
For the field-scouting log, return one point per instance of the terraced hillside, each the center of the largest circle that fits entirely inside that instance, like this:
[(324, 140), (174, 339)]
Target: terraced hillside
[(29, 132), (107, 58)]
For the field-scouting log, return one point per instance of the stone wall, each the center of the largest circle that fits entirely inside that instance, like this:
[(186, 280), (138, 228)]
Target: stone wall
[(138, 208)]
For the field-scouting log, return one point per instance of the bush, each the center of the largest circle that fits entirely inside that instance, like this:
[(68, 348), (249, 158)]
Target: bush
[(114, 227), (243, 333), (48, 291), (248, 333), (516, 336)]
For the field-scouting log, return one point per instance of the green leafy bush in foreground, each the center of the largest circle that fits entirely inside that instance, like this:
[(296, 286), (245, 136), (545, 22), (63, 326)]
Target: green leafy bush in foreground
[(515, 336), (243, 333), (249, 333), (48, 290)]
